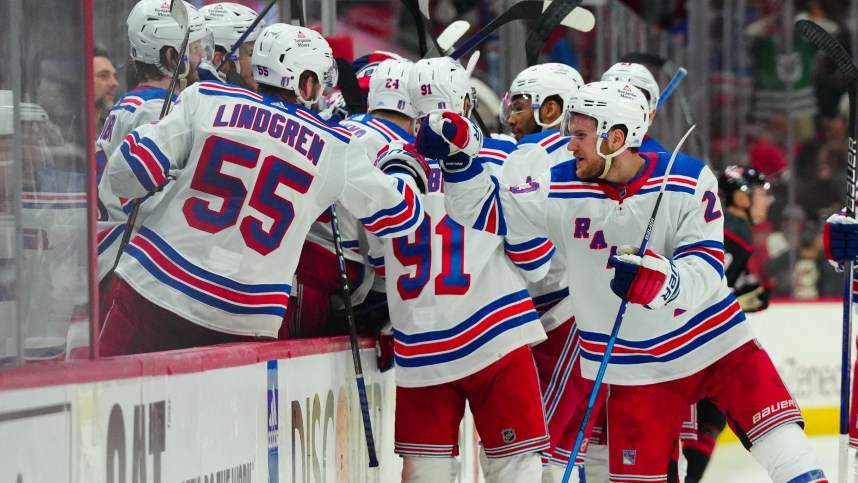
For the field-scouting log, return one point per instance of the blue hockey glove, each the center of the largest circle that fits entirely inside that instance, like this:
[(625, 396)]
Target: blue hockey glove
[(451, 139), (840, 239), (651, 280)]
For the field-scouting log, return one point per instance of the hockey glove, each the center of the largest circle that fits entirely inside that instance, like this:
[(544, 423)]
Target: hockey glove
[(753, 298), (451, 139), (403, 158), (840, 239), (651, 281)]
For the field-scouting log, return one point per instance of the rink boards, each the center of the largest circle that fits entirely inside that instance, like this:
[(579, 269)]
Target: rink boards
[(272, 412), (285, 411)]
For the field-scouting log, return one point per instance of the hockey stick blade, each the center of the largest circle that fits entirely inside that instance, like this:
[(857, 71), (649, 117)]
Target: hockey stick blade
[(545, 25), (826, 43), (452, 34), (247, 32), (355, 349), (349, 87), (603, 365), (579, 19), (819, 37)]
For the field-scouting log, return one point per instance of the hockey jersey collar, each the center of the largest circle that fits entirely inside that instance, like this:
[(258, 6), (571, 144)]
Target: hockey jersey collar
[(620, 191)]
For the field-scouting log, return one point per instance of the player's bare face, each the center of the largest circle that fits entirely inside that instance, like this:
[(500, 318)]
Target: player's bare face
[(582, 143), (520, 118), (245, 52)]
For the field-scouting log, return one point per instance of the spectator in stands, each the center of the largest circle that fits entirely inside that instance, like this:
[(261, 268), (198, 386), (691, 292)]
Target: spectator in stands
[(104, 86)]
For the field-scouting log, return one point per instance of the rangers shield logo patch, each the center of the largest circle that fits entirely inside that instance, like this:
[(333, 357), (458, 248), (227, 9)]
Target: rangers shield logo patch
[(629, 456), (508, 435)]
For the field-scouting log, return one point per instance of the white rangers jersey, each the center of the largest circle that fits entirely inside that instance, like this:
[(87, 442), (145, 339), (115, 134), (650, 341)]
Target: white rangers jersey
[(251, 175), (137, 107), (457, 303), (587, 220), (534, 155)]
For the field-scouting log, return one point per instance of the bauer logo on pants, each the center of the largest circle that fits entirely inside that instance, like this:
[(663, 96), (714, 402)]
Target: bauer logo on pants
[(629, 456), (508, 435)]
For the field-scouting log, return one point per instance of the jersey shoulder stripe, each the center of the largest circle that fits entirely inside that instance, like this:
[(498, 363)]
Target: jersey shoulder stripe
[(172, 269), (389, 130), (135, 98), (700, 329), (675, 182), (494, 156), (218, 89)]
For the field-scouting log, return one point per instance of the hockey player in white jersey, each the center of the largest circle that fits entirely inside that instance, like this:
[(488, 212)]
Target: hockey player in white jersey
[(533, 107), (684, 335), (462, 323), (215, 261), (155, 42), (391, 118), (228, 22)]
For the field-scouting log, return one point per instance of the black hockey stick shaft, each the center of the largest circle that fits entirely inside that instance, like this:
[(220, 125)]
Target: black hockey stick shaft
[(350, 317), (180, 15), (603, 365), (545, 25), (826, 43), (349, 87), (247, 32), (423, 26), (523, 10), (298, 12)]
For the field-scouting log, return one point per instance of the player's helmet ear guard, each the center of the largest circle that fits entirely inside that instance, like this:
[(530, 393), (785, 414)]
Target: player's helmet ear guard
[(284, 52), (388, 87), (636, 75), (540, 82), (610, 104), (151, 27), (441, 83), (228, 22), (739, 178)]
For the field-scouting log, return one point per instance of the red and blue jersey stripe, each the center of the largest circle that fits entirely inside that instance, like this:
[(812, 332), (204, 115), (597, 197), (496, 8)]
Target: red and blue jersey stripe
[(107, 237), (491, 218), (545, 302), (399, 219), (169, 267), (531, 254), (441, 346), (146, 160), (710, 251), (700, 329)]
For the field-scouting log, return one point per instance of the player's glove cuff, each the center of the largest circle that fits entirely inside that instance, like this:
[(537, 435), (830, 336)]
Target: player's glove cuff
[(840, 239), (651, 280), (451, 139), (404, 158)]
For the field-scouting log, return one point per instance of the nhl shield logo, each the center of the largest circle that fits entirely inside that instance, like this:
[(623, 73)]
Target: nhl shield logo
[(629, 456), (508, 435)]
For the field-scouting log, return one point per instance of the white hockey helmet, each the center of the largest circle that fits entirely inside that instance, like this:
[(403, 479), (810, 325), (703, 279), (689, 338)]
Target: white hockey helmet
[(540, 82), (441, 83), (638, 76), (388, 87), (151, 27), (610, 103), (228, 22), (284, 52)]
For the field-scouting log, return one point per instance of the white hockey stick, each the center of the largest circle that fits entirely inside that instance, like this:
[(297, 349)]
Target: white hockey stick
[(579, 19), (452, 34)]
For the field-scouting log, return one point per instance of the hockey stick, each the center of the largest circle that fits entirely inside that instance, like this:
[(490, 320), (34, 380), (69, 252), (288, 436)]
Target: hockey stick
[(671, 86), (298, 12), (545, 25), (419, 10), (826, 43), (247, 32), (350, 316), (603, 366), (451, 35), (579, 19), (180, 14), (349, 87)]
